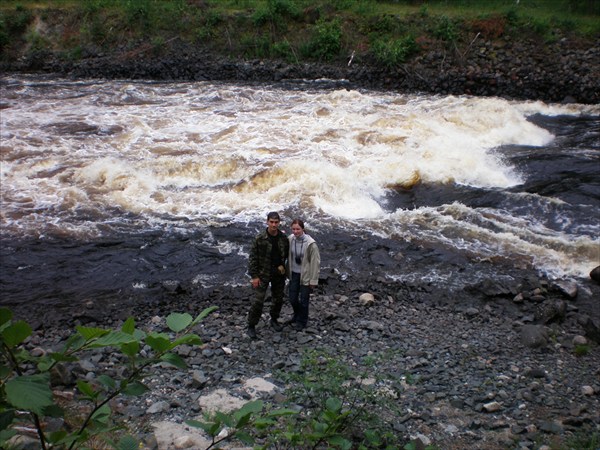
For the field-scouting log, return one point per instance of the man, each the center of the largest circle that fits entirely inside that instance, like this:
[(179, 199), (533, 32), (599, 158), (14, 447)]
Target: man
[(266, 265)]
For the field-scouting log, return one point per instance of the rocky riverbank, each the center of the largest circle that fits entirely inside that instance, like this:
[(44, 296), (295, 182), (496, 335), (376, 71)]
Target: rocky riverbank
[(564, 71), (494, 365), (499, 365)]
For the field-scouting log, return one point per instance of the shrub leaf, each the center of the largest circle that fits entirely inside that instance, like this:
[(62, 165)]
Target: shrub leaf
[(179, 321), (29, 392)]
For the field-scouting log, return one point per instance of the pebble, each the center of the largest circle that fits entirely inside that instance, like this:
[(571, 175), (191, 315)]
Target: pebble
[(587, 390), (158, 407), (492, 407)]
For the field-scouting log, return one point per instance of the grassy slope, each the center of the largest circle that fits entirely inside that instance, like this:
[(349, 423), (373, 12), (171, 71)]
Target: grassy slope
[(380, 32)]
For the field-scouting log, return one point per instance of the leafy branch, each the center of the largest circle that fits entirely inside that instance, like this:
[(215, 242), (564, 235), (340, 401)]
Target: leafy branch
[(25, 389)]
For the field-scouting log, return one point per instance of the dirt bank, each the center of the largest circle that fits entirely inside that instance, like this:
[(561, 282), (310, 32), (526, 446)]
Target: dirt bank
[(561, 72)]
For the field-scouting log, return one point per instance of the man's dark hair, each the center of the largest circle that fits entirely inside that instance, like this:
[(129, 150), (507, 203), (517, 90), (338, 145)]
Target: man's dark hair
[(273, 215)]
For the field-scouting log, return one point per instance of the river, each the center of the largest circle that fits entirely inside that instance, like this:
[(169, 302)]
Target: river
[(122, 188)]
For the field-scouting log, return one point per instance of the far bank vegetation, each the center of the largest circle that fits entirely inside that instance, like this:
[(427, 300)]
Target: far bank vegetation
[(385, 33)]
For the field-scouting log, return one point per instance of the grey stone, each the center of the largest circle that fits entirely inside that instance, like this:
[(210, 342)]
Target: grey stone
[(471, 312), (534, 336), (568, 288), (551, 311), (535, 373), (158, 407), (551, 427), (199, 379), (366, 299), (591, 327)]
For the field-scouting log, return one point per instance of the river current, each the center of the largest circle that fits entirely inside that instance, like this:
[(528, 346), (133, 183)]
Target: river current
[(116, 187)]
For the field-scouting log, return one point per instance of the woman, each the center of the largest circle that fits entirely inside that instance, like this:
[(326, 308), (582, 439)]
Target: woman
[(304, 263)]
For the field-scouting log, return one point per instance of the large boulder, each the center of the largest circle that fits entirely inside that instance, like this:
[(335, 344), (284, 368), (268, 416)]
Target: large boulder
[(534, 336), (591, 327), (551, 311), (567, 288)]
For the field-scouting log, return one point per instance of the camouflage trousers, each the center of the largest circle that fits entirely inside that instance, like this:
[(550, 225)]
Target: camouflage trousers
[(277, 290)]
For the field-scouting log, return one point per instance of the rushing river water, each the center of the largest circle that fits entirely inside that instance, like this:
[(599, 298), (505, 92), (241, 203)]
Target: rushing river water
[(118, 186)]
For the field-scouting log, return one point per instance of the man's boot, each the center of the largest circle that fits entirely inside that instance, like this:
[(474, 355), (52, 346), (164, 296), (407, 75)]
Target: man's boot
[(275, 325), (251, 332)]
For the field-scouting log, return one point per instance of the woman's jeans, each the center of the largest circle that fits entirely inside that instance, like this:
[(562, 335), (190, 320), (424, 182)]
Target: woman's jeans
[(299, 296)]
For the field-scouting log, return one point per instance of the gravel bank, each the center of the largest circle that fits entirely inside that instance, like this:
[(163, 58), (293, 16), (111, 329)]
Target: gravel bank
[(491, 368)]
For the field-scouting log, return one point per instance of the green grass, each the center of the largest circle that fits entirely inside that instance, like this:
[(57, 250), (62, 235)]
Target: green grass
[(582, 15)]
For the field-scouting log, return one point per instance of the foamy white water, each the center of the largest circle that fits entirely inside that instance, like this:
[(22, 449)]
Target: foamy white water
[(79, 155)]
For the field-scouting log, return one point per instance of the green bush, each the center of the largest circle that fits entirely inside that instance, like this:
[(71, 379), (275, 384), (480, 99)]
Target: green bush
[(365, 7), (94, 31), (540, 26), (138, 12), (585, 6), (285, 8), (275, 11), (512, 16), (393, 52), (243, 3), (201, 34), (158, 45), (565, 24), (25, 378), (342, 5), (74, 53), (4, 36), (17, 21), (326, 40), (385, 24), (582, 349), (255, 46), (445, 29), (261, 17), (284, 50), (209, 26), (91, 7), (36, 41), (213, 18), (341, 403), (584, 441), (173, 16), (330, 404)]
